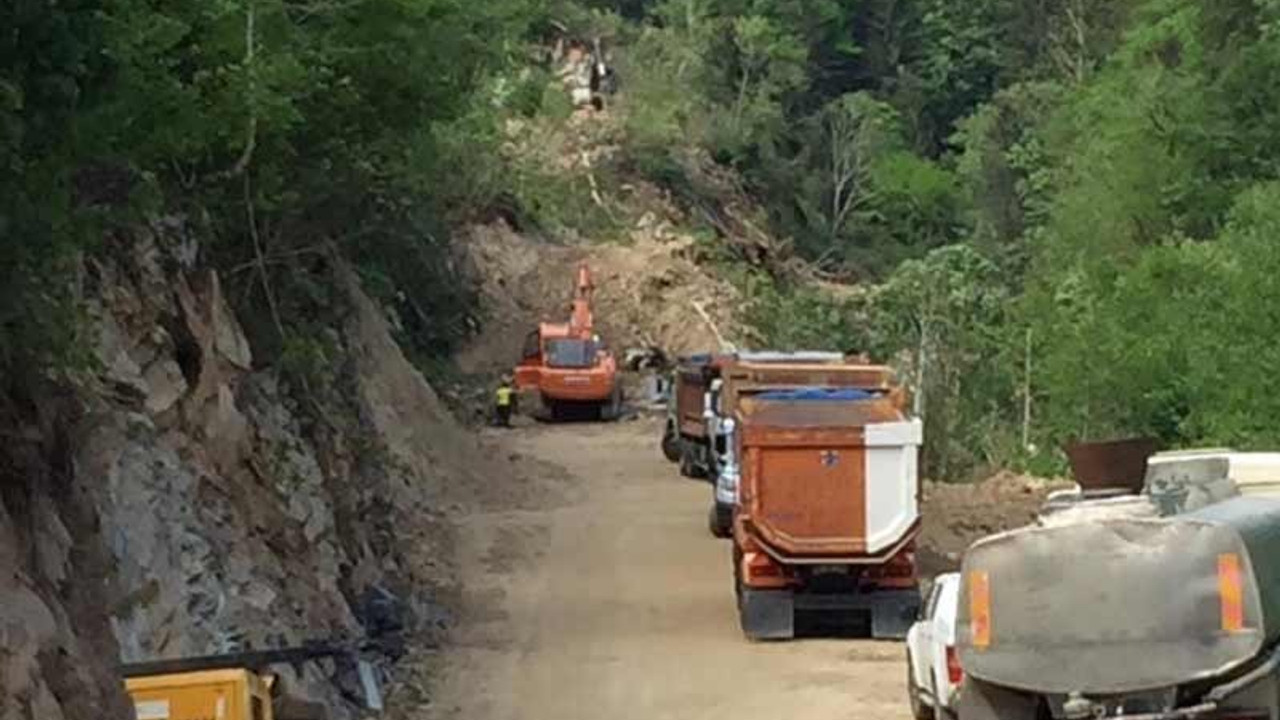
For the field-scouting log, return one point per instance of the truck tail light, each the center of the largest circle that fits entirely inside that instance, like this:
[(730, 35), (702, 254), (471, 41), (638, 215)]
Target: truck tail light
[(954, 672), (1231, 592), (903, 564), (980, 609), (760, 565)]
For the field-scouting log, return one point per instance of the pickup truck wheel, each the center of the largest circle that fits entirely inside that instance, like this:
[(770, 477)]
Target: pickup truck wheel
[(919, 710)]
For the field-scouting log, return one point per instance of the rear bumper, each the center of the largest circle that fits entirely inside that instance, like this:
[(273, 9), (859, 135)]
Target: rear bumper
[(786, 556), (770, 614)]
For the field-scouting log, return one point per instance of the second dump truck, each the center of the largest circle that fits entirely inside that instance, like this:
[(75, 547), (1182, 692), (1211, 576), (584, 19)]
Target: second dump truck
[(692, 435), (827, 502)]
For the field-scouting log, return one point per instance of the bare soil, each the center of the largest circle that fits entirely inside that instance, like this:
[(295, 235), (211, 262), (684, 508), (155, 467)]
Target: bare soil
[(648, 291), (611, 600), (956, 515)]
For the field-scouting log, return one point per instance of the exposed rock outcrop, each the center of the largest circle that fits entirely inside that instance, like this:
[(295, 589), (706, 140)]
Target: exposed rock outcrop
[(188, 499)]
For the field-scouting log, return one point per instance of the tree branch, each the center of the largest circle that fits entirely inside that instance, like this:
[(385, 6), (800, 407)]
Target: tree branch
[(250, 54)]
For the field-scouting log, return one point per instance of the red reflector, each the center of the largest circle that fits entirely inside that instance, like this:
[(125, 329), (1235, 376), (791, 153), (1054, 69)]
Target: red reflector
[(954, 672), (765, 571), (759, 565)]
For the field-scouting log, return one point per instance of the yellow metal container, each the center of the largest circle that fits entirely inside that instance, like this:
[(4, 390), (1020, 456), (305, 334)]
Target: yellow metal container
[(209, 695)]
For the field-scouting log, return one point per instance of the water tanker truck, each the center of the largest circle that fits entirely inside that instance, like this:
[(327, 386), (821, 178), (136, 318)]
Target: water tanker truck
[(1143, 617), (827, 503)]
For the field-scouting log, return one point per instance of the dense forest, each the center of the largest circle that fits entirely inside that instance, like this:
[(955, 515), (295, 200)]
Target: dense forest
[(1057, 214), (1062, 212)]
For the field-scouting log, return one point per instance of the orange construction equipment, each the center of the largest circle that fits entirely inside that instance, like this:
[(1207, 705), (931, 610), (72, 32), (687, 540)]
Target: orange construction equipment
[(567, 366)]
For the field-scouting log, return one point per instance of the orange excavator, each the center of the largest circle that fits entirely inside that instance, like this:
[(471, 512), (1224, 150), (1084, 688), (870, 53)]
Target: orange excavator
[(568, 367)]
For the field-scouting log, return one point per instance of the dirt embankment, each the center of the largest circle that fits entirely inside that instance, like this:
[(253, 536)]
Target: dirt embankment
[(956, 515)]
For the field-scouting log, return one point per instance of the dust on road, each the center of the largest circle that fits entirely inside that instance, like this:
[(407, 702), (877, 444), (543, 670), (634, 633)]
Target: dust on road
[(614, 602)]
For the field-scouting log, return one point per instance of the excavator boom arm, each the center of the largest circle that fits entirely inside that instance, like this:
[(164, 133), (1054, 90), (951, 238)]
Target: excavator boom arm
[(581, 322)]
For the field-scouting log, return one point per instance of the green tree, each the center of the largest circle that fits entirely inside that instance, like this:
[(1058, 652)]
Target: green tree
[(942, 318)]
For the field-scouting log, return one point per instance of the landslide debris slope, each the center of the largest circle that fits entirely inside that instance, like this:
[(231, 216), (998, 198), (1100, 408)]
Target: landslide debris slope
[(654, 286)]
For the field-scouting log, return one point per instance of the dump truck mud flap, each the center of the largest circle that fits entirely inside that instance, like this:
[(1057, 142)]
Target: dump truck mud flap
[(767, 614), (893, 613), (671, 444)]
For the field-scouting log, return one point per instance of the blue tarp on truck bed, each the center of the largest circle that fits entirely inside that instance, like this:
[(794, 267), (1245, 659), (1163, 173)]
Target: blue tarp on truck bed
[(819, 394)]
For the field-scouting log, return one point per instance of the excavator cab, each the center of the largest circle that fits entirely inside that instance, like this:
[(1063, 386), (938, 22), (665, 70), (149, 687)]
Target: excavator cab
[(571, 352)]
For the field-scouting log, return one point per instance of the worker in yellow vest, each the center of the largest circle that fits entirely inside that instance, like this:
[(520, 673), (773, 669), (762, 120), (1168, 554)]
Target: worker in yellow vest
[(504, 402)]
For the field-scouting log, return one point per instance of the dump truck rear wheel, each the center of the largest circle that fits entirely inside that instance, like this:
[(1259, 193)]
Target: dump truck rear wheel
[(687, 467), (671, 444), (716, 522)]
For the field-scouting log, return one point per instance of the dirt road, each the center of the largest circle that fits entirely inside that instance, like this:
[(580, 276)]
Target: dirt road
[(612, 601)]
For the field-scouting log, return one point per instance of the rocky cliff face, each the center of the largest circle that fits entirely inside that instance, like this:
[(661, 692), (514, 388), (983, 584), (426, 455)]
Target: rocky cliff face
[(187, 500)]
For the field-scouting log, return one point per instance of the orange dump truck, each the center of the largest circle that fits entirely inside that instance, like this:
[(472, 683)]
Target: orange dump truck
[(827, 504)]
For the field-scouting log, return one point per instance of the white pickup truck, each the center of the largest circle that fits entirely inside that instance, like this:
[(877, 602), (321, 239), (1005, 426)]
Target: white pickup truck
[(934, 674)]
